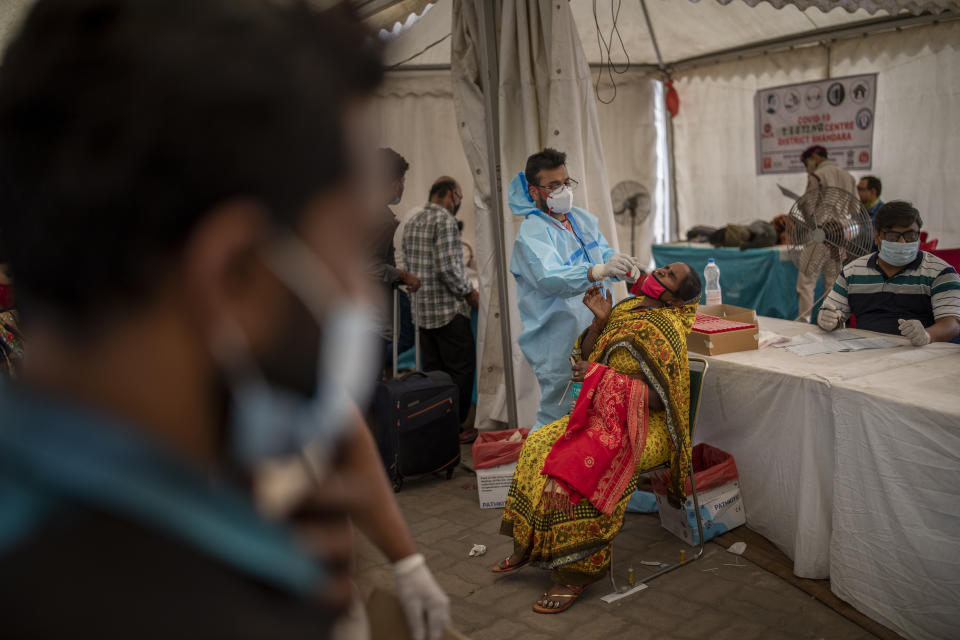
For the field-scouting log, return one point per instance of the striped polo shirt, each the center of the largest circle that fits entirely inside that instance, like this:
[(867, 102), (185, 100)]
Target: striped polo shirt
[(927, 289)]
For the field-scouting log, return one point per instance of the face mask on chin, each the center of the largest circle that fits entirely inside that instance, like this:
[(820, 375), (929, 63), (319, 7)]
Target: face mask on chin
[(653, 288), (898, 254), (269, 420)]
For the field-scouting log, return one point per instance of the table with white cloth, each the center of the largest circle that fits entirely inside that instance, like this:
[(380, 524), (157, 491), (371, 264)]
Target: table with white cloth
[(850, 463)]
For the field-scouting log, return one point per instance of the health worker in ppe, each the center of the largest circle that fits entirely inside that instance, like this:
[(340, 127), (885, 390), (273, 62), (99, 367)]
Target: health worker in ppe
[(558, 253)]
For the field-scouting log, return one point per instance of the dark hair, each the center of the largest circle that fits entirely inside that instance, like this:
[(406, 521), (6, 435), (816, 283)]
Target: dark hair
[(690, 288), (873, 182), (397, 164), (124, 122), (896, 213), (442, 188), (815, 149), (546, 159)]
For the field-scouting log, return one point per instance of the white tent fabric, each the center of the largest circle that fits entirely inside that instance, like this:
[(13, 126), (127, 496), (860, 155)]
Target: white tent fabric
[(418, 120), (915, 141), (471, 117), (633, 150), (546, 96), (871, 6)]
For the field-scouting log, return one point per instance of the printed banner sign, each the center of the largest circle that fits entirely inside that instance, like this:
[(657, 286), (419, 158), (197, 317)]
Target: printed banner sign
[(837, 114)]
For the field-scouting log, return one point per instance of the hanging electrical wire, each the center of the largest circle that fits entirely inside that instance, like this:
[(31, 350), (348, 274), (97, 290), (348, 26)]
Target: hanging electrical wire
[(419, 53), (606, 47)]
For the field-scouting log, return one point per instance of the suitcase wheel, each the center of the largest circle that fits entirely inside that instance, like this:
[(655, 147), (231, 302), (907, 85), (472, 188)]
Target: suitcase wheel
[(449, 472)]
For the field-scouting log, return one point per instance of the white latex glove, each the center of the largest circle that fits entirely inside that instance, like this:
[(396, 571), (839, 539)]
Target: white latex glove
[(426, 605), (618, 266), (913, 330), (829, 319)]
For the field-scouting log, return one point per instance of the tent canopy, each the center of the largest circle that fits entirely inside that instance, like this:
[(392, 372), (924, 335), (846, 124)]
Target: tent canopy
[(684, 30)]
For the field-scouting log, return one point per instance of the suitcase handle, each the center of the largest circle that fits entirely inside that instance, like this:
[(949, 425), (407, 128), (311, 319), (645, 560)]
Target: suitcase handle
[(410, 374)]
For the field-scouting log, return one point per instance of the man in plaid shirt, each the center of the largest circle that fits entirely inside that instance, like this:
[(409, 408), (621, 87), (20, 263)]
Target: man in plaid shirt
[(433, 252)]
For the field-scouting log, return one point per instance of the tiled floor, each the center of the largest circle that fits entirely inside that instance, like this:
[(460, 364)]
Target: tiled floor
[(720, 596)]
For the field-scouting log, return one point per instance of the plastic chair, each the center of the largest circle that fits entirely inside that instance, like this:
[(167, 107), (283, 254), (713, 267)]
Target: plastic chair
[(698, 371), (950, 256)]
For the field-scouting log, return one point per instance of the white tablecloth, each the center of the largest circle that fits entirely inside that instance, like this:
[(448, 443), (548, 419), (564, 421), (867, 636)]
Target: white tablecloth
[(850, 463)]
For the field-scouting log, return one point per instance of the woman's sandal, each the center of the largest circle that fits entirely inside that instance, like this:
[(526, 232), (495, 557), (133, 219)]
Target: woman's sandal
[(570, 598), (507, 567)]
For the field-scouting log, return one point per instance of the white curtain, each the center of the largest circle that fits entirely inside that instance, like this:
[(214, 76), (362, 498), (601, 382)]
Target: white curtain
[(714, 140), (418, 120), (630, 139), (915, 137), (545, 99), (916, 141)]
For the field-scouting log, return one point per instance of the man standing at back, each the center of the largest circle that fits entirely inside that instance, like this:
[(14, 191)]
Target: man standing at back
[(822, 172), (868, 189), (558, 253), (441, 309), (384, 267)]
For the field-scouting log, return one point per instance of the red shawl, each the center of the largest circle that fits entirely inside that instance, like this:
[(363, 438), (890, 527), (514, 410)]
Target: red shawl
[(598, 454)]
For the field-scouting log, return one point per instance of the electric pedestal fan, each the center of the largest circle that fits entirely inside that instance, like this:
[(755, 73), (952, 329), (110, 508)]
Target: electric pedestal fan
[(827, 224), (631, 200)]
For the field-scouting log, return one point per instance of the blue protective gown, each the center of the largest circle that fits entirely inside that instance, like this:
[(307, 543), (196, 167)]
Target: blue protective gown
[(550, 265)]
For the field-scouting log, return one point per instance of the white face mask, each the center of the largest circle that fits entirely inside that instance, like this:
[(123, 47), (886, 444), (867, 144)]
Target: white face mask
[(269, 421), (561, 200)]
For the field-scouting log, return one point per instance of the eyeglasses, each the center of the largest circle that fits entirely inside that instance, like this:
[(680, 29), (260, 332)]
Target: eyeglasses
[(570, 183), (894, 236)]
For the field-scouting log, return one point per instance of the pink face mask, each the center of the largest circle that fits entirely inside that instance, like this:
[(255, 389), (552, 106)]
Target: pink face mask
[(652, 287)]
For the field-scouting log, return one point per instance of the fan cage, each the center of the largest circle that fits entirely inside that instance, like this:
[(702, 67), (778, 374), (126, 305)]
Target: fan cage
[(827, 224)]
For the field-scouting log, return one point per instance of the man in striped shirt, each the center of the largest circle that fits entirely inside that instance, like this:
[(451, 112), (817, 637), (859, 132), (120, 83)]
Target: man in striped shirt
[(433, 251), (898, 289)]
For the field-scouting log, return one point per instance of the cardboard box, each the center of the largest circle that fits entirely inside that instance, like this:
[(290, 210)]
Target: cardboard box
[(721, 509), (729, 341), (493, 484)]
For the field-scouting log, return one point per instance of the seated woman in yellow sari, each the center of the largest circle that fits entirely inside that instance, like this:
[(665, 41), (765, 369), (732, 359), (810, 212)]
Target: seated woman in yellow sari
[(574, 476)]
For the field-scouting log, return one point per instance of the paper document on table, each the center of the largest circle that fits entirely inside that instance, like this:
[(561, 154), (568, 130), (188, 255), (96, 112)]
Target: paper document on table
[(844, 334), (788, 193), (805, 338), (813, 348), (874, 343), (815, 343)]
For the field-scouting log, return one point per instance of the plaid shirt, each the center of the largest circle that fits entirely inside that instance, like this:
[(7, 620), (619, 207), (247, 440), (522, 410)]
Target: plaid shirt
[(432, 251)]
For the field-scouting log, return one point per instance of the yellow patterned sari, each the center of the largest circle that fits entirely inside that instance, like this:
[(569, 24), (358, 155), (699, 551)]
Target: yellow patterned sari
[(575, 544)]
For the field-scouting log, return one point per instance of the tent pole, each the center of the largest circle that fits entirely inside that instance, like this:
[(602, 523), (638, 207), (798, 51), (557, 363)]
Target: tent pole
[(490, 72), (673, 223)]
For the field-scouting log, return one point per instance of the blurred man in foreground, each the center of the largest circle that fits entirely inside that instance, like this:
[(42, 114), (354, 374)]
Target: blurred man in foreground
[(182, 179)]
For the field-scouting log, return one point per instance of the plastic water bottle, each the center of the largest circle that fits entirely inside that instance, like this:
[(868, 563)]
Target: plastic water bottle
[(712, 277)]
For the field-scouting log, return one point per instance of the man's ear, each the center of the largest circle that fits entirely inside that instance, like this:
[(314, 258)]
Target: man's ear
[(223, 274)]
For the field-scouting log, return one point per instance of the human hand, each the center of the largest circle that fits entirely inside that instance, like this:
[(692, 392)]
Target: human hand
[(321, 521), (618, 266), (913, 330), (635, 272), (411, 281), (828, 318), (473, 299), (580, 370), (425, 604), (598, 303)]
